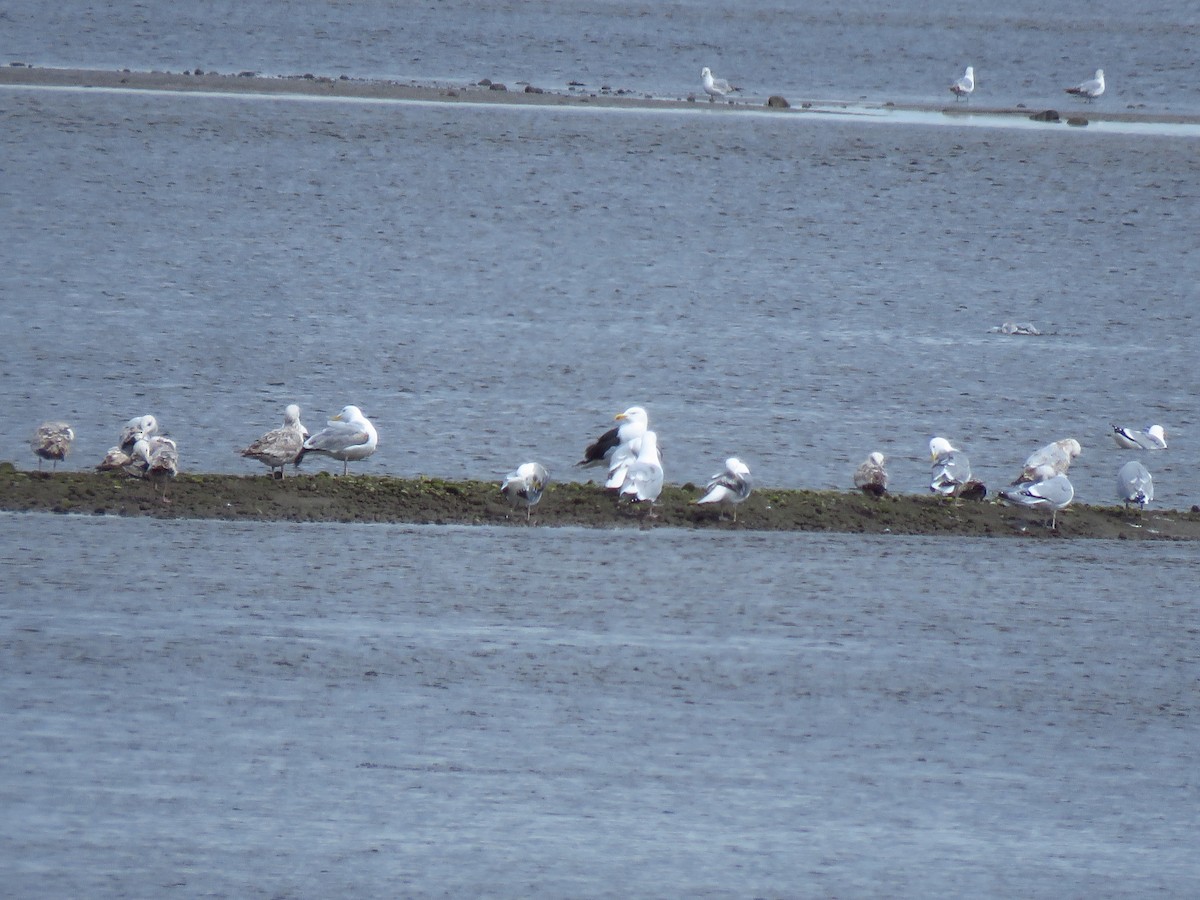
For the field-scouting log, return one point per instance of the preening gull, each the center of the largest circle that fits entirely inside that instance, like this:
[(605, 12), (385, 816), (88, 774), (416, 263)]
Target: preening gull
[(1091, 88), (1134, 484), (715, 87), (963, 86), (160, 459), (117, 460), (951, 468), (644, 478), (52, 441), (634, 422), (1053, 459), (135, 429), (349, 436), (1153, 437), (525, 485), (731, 487), (282, 445), (1053, 494), (871, 477)]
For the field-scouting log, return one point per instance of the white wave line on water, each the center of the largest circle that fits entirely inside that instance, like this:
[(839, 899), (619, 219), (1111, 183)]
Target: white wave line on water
[(824, 112)]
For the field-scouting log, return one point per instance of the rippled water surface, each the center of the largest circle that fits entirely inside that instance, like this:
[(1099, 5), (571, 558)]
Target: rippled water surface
[(278, 710), (267, 710)]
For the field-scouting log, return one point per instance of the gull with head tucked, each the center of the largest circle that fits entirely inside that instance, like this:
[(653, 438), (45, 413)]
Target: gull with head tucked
[(731, 487), (965, 85), (525, 485), (349, 436), (871, 477), (1153, 437), (1089, 89)]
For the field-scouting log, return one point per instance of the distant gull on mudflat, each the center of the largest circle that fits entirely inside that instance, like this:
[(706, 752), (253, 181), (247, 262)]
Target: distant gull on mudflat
[(965, 85), (348, 436), (52, 441), (731, 487), (715, 87), (282, 445), (1134, 484), (1053, 494), (525, 485), (871, 477), (1091, 88), (1153, 437)]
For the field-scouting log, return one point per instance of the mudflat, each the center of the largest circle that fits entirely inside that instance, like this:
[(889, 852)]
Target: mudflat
[(327, 498)]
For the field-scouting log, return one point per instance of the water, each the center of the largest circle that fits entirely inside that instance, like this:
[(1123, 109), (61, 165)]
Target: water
[(192, 706), (258, 710)]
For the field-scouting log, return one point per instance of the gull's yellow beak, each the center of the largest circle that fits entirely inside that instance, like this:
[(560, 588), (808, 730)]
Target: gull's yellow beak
[(337, 418), (619, 416)]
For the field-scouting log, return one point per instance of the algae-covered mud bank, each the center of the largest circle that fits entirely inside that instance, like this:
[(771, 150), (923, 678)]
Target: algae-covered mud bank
[(326, 498)]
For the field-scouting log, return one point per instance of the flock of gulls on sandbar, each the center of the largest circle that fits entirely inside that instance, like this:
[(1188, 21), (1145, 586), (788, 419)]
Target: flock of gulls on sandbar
[(631, 454), (962, 88)]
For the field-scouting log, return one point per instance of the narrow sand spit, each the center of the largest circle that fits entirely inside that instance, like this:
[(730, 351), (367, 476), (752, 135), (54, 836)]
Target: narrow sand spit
[(324, 498)]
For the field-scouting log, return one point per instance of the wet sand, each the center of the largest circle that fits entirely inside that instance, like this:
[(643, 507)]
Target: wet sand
[(327, 498), (313, 85)]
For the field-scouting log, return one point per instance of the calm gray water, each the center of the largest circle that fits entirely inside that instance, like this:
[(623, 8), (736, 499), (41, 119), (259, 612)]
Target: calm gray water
[(201, 708), (314, 711)]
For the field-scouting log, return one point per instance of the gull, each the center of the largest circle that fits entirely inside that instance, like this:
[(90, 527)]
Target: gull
[(135, 429), (348, 436), (282, 445), (117, 460), (1053, 459), (1053, 494), (951, 468), (1134, 484), (634, 422), (525, 485), (160, 460), (52, 441), (731, 487), (1153, 437), (644, 478), (871, 477), (715, 87), (965, 85), (1091, 88)]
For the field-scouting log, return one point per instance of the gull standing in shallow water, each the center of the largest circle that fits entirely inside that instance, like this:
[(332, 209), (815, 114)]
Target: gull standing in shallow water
[(1091, 88), (52, 441), (348, 436), (644, 478), (965, 85), (871, 477), (1053, 494), (525, 485), (715, 87), (1134, 484), (282, 445), (1153, 437), (731, 487)]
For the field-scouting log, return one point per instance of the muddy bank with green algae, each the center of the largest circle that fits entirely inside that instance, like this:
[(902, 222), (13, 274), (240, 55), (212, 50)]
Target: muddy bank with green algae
[(326, 498)]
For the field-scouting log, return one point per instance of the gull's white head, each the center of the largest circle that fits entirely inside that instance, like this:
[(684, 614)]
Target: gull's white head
[(878, 459), (1158, 433), (348, 414), (971, 72), (635, 414), (291, 415), (940, 446), (1071, 446), (706, 72), (737, 467)]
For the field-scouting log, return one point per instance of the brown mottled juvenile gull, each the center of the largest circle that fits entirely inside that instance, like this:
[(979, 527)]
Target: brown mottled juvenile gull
[(282, 445), (52, 441)]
